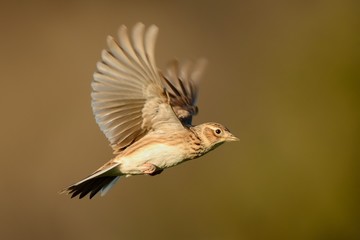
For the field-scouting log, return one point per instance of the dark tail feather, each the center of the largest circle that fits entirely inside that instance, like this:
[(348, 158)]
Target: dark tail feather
[(92, 186)]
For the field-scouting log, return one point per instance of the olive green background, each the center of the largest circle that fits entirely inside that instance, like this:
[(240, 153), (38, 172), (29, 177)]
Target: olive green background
[(283, 76)]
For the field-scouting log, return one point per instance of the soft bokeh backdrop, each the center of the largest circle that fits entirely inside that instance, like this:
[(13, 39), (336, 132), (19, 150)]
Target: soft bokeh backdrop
[(283, 76)]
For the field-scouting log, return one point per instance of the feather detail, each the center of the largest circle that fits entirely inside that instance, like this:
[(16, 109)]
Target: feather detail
[(128, 98), (182, 83)]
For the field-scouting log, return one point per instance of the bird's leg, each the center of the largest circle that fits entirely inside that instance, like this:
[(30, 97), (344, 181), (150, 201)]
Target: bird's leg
[(157, 171), (150, 169)]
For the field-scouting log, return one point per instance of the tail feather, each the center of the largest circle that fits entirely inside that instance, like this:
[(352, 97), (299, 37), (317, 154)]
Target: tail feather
[(91, 186), (101, 180), (105, 189), (99, 187)]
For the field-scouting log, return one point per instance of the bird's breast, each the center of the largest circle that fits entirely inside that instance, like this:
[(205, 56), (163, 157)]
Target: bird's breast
[(160, 154)]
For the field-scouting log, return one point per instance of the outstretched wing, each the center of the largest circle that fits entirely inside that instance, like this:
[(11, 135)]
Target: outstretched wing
[(128, 98), (182, 84)]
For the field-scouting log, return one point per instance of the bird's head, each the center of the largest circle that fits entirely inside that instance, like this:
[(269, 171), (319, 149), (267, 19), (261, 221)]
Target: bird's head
[(214, 134)]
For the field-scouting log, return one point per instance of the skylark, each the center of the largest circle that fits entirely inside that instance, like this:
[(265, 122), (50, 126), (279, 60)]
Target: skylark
[(146, 114)]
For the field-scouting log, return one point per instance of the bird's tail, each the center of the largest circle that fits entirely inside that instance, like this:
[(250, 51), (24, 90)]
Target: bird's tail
[(91, 186), (99, 181)]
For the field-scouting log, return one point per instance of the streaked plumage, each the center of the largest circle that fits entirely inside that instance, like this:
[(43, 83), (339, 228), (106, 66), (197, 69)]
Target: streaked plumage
[(144, 113)]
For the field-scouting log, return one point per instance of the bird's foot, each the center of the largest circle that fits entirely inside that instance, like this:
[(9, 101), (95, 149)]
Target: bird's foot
[(157, 171), (150, 169)]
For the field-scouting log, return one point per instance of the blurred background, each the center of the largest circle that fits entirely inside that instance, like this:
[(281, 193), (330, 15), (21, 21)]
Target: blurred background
[(283, 76)]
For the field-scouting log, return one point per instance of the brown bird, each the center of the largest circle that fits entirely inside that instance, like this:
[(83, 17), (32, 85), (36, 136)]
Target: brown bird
[(145, 114)]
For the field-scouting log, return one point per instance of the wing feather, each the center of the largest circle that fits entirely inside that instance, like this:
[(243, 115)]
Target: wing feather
[(128, 97), (128, 48), (182, 84)]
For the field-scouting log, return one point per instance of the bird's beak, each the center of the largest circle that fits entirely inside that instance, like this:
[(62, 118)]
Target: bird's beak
[(232, 138)]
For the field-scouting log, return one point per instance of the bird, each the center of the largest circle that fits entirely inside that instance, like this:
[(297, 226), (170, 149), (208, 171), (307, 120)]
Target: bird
[(145, 113)]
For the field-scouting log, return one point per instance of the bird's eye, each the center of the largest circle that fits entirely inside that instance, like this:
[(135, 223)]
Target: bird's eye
[(218, 131)]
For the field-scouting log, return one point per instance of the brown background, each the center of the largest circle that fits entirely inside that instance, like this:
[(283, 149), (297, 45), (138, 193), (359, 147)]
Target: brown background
[(284, 77)]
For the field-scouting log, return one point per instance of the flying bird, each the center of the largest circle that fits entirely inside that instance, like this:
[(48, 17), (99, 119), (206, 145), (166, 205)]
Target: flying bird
[(146, 114)]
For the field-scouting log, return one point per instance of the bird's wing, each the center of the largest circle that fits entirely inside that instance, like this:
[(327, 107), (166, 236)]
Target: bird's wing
[(182, 84), (128, 98)]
